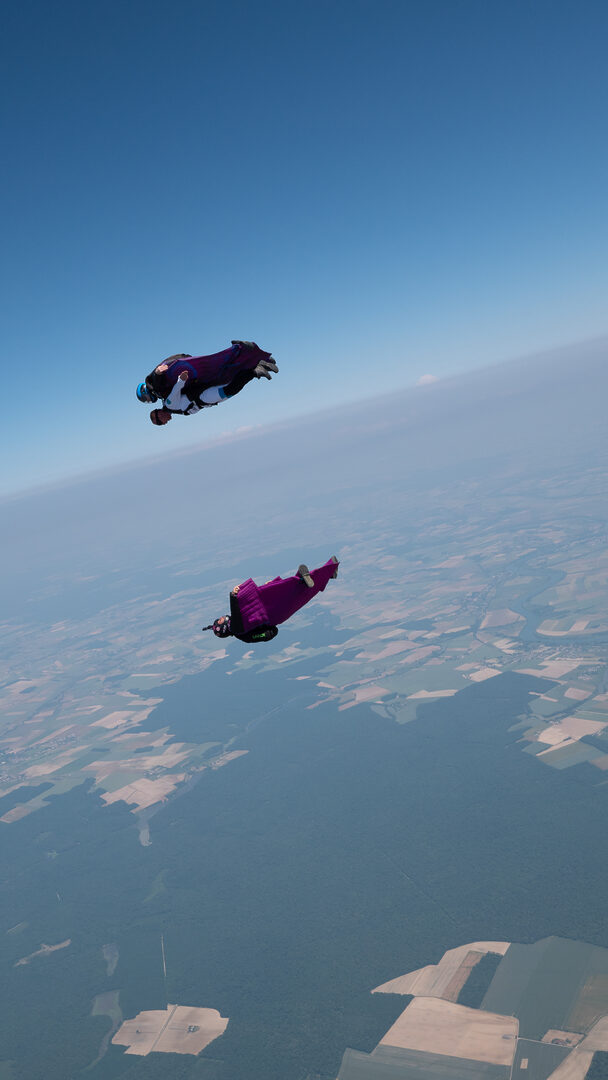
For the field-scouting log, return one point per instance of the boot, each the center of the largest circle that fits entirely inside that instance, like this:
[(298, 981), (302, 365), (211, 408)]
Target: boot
[(262, 371), (304, 574)]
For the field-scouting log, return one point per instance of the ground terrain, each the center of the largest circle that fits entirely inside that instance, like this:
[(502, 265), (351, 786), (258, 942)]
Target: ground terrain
[(555, 978), (418, 761)]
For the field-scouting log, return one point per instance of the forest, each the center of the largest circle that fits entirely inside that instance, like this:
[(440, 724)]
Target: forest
[(341, 851)]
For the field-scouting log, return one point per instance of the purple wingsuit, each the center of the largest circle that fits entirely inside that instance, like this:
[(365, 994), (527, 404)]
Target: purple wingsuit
[(214, 370), (280, 598)]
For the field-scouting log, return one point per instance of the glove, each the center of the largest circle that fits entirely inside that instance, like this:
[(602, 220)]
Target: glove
[(262, 371)]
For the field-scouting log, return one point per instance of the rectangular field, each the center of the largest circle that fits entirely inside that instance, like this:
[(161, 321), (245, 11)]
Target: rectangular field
[(435, 1026)]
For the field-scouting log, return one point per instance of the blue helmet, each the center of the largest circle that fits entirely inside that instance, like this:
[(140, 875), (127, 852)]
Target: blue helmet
[(145, 394)]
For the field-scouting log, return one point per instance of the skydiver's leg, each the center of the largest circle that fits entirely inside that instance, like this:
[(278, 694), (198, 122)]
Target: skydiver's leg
[(200, 395), (262, 371), (235, 386), (283, 597)]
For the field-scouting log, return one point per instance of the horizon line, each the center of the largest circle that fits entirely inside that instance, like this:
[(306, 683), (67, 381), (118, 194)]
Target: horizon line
[(253, 430)]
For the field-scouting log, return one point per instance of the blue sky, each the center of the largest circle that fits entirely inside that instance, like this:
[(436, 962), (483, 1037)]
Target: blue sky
[(372, 190)]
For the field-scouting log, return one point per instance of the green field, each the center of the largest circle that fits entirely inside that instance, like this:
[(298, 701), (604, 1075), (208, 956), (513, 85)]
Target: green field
[(392, 1063), (555, 983)]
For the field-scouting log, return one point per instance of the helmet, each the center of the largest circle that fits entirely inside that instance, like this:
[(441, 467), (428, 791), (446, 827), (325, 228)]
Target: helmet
[(145, 394)]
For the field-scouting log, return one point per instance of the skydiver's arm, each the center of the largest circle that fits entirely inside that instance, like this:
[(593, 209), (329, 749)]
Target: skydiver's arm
[(157, 380), (170, 359), (177, 401)]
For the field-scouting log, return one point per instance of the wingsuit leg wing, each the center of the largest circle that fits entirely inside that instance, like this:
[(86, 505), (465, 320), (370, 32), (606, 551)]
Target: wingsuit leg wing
[(279, 599), (244, 356)]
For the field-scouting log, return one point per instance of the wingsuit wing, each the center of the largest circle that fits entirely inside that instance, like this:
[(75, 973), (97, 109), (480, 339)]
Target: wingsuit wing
[(216, 369), (279, 599)]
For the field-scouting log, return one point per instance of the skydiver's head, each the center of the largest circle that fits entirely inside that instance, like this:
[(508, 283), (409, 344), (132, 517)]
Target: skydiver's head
[(160, 417), (221, 627), (146, 394)]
